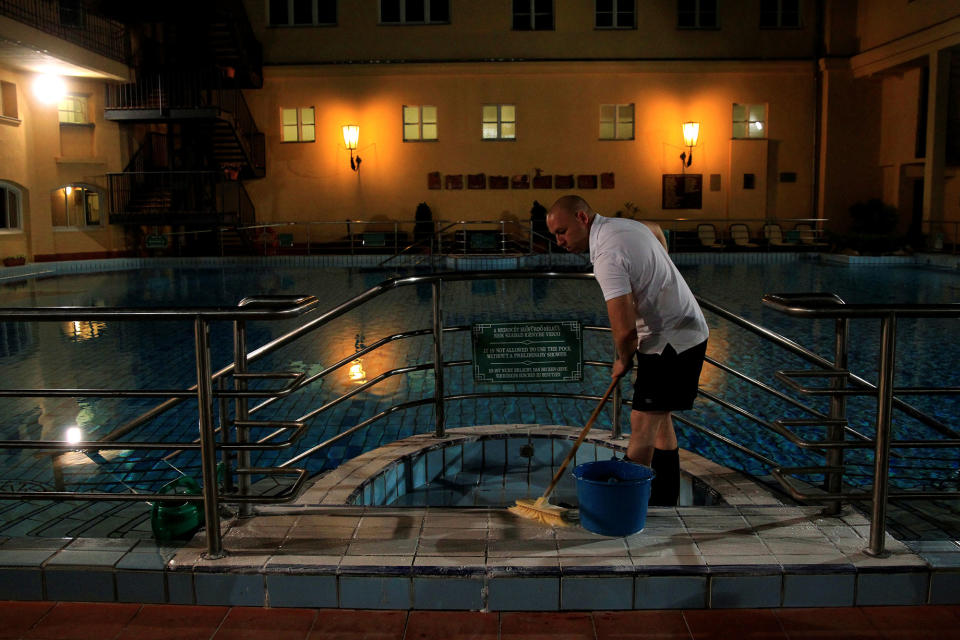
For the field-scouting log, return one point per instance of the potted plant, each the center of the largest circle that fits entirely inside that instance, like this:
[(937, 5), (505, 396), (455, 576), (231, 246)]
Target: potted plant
[(14, 261)]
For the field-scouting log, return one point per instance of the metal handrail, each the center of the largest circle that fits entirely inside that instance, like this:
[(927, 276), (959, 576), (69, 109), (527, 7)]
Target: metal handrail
[(265, 308)]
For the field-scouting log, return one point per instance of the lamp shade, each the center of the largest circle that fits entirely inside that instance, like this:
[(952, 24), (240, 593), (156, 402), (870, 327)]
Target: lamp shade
[(691, 131), (351, 133)]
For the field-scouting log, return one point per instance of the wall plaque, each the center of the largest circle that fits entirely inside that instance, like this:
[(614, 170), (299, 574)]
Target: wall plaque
[(682, 191), (586, 182), (543, 182), (433, 180), (476, 181), (564, 182), (544, 351), (520, 181), (607, 180), (499, 182), (454, 181)]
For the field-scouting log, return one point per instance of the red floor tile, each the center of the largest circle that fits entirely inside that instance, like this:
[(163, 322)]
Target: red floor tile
[(625, 625), (811, 624), (743, 624), (243, 623), (18, 617), (914, 623), (348, 624), (177, 622), (452, 625), (83, 621), (546, 626)]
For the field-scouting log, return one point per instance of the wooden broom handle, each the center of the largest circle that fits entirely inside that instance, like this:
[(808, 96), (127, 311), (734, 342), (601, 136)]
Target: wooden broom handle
[(583, 434)]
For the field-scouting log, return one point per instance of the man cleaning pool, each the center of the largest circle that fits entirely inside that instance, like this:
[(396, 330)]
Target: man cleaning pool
[(654, 316)]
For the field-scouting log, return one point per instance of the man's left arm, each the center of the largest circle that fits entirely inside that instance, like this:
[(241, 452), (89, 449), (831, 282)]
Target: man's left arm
[(623, 323)]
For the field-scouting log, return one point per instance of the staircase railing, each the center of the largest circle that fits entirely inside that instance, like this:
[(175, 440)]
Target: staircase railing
[(188, 197)]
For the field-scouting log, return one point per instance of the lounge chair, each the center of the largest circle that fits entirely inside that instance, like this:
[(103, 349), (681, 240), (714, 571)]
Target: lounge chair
[(708, 236), (740, 235), (773, 234), (808, 237)]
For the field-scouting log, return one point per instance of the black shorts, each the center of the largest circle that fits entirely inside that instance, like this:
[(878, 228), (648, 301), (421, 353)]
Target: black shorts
[(668, 381)]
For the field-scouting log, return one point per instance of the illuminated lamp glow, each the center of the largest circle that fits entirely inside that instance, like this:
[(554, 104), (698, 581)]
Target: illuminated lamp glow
[(49, 89), (74, 435)]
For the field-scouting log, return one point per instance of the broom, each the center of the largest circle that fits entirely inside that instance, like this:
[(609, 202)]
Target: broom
[(541, 510)]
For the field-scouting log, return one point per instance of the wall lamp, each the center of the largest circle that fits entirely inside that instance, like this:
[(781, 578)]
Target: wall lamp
[(691, 131), (351, 134)]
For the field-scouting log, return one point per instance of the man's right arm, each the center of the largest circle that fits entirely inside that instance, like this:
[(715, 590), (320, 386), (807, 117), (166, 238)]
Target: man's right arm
[(623, 324)]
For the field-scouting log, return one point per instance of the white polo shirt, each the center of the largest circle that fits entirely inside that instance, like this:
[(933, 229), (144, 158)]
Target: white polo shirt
[(627, 257)]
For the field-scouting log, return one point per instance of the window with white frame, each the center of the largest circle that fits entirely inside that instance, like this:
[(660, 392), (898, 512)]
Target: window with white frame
[(499, 122), (73, 110), (616, 122), (533, 15), (779, 14), (10, 214), (419, 123), (305, 13), (8, 100), (297, 125), (749, 120), (414, 11), (697, 14), (75, 206), (615, 14)]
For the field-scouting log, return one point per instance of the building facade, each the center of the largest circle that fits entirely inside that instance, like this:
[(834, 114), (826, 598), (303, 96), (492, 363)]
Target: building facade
[(804, 108)]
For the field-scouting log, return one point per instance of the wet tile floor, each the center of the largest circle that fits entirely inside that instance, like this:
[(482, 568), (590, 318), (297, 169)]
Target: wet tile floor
[(84, 621)]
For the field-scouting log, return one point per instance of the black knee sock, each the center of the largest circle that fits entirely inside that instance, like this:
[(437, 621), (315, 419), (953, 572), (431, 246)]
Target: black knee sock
[(665, 488)]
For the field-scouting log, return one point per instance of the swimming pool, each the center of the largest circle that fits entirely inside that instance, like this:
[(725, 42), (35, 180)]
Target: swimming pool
[(129, 355)]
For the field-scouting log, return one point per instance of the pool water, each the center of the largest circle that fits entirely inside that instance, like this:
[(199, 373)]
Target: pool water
[(160, 355)]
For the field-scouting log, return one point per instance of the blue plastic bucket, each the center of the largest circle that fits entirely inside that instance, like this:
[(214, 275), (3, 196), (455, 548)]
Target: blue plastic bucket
[(613, 496)]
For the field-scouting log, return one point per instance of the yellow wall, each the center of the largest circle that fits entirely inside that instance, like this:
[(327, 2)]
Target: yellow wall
[(557, 131), (484, 30), (40, 158), (880, 21)]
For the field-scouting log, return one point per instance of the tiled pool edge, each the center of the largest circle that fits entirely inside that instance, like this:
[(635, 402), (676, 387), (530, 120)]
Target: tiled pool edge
[(754, 552)]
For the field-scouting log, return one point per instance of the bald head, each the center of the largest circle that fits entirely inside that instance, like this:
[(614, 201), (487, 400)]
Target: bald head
[(569, 220)]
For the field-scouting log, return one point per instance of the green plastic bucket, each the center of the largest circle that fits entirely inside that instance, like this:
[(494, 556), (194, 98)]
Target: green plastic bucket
[(177, 520), (613, 496)]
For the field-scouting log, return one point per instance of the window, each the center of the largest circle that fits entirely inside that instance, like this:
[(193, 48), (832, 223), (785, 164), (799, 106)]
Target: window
[(499, 122), (779, 14), (749, 120), (414, 11), (293, 13), (75, 206), (8, 100), (9, 207), (533, 15), (615, 14), (297, 125), (73, 110), (419, 123), (616, 122), (697, 14)]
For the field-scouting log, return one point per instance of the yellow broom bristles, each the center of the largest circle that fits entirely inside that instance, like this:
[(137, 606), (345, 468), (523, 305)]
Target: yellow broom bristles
[(541, 511)]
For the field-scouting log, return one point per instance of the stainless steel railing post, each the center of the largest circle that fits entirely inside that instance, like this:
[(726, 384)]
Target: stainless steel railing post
[(223, 415), (833, 482), (208, 445), (242, 412), (881, 468), (616, 429), (438, 360)]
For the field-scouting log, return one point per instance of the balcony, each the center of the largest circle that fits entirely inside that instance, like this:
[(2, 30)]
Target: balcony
[(178, 198), (71, 22)]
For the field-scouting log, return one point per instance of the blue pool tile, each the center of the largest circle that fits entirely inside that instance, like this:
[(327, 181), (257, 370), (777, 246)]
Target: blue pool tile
[(516, 461), (229, 589), (180, 587), (586, 453), (452, 460), (892, 588), (79, 585), (523, 594), (403, 478), (418, 472), (494, 454), (606, 453), (670, 592), (379, 489), (390, 484), (285, 590), (368, 493), (472, 456), (21, 584), (744, 591), (542, 453), (808, 590), (591, 593), (373, 592), (448, 593), (434, 464), (945, 587), (140, 586), (25, 558)]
